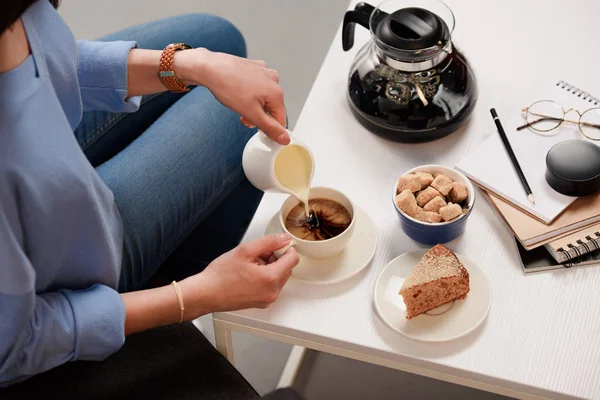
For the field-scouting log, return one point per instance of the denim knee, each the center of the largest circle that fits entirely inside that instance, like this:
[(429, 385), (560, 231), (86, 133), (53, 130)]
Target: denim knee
[(230, 39)]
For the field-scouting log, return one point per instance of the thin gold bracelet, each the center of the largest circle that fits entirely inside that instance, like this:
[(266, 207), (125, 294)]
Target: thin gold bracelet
[(179, 298)]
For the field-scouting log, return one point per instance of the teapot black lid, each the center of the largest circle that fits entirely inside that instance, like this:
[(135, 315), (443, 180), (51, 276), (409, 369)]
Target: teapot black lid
[(411, 29)]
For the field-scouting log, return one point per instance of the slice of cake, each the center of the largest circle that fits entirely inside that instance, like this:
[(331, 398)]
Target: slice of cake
[(437, 279)]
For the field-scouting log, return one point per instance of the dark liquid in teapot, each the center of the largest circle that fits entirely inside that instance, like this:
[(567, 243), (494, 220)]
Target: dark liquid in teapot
[(387, 101)]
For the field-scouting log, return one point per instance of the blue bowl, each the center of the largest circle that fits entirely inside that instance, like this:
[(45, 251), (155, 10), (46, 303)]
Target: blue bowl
[(442, 232)]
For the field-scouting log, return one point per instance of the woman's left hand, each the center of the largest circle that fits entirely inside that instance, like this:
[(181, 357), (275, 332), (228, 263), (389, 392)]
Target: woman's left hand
[(245, 86)]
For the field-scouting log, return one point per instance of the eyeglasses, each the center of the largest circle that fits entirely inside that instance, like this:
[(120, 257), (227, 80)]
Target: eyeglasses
[(546, 115)]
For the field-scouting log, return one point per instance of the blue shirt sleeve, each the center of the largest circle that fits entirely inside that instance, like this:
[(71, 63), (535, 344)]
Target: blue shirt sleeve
[(42, 331), (102, 73)]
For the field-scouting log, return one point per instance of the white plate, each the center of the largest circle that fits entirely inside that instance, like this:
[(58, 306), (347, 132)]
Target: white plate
[(344, 265), (444, 323)]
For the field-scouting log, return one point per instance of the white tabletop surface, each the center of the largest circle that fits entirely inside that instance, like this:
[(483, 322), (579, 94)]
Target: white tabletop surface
[(542, 335)]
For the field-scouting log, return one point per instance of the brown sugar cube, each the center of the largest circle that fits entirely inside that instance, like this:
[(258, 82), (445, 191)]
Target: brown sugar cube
[(459, 193), (410, 182), (442, 184), (406, 202), (436, 174), (426, 179), (435, 204), (451, 211), (425, 195), (429, 216)]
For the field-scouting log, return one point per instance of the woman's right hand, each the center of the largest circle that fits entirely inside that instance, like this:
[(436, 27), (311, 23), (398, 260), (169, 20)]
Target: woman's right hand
[(248, 276), (247, 87)]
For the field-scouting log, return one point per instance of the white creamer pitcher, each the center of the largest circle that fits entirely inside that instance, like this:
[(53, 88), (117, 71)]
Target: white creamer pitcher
[(272, 167)]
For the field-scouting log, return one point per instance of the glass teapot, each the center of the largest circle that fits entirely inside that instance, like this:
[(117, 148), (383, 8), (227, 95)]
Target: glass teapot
[(408, 83)]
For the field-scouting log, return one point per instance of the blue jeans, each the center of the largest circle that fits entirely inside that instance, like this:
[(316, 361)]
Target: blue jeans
[(174, 166)]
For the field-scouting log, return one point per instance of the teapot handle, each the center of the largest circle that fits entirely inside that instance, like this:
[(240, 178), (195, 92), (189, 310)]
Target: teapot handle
[(360, 15)]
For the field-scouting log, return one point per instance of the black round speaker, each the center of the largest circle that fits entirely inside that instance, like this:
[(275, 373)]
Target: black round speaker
[(573, 168)]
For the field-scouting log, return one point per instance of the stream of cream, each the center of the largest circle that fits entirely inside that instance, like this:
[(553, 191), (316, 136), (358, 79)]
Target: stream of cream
[(293, 167)]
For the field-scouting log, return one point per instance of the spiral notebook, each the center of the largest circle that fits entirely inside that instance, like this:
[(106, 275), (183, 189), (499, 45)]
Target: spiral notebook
[(489, 165), (540, 259), (575, 246)]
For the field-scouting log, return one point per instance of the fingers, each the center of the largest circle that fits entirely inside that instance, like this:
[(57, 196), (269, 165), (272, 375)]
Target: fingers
[(264, 245), (247, 123), (276, 275), (261, 261), (267, 258), (269, 114), (270, 126), (284, 265), (260, 63), (286, 278), (277, 111), (273, 75)]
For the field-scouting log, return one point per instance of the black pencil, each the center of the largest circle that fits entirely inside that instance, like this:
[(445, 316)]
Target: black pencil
[(512, 156)]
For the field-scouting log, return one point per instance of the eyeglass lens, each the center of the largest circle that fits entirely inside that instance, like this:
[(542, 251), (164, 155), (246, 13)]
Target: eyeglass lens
[(545, 115), (590, 124)]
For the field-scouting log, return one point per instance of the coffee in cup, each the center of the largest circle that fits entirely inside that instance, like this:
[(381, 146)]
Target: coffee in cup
[(334, 208), (327, 219)]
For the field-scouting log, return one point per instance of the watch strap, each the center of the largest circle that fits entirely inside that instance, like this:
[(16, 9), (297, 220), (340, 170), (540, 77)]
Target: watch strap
[(166, 73)]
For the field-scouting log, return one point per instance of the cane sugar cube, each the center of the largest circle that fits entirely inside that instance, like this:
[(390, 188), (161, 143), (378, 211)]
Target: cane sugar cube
[(459, 192), (425, 195), (426, 179), (435, 204), (411, 182), (451, 211), (442, 184), (407, 202), (428, 216)]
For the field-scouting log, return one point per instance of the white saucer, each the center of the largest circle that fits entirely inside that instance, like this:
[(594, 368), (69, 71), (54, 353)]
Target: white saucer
[(344, 265), (448, 322)]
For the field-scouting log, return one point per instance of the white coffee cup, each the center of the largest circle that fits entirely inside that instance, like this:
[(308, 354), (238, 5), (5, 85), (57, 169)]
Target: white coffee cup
[(258, 162), (320, 248)]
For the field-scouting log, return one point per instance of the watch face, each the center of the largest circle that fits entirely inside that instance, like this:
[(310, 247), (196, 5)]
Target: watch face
[(181, 46)]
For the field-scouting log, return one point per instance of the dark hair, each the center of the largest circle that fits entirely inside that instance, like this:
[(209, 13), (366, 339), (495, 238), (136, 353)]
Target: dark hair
[(13, 9)]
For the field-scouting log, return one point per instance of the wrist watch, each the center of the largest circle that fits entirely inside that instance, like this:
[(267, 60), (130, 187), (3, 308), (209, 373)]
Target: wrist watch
[(166, 73)]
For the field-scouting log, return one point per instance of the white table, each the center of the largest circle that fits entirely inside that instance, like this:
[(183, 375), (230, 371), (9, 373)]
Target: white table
[(542, 336)]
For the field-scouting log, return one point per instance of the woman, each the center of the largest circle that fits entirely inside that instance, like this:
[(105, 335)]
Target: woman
[(92, 206)]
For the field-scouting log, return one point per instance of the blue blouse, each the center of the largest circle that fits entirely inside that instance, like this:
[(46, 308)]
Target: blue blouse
[(60, 231)]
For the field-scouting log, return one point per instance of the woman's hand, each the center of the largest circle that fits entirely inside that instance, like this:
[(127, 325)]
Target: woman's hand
[(245, 86), (248, 276)]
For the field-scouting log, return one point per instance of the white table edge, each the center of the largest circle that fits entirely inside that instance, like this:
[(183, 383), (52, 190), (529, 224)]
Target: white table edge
[(225, 323)]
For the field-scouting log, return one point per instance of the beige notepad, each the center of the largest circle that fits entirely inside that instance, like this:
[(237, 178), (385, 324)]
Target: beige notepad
[(531, 232)]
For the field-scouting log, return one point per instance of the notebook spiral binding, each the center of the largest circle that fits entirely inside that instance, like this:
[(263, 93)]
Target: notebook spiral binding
[(589, 254), (578, 92)]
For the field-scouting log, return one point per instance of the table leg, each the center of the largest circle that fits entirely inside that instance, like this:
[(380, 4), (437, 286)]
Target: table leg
[(292, 367), (223, 340)]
